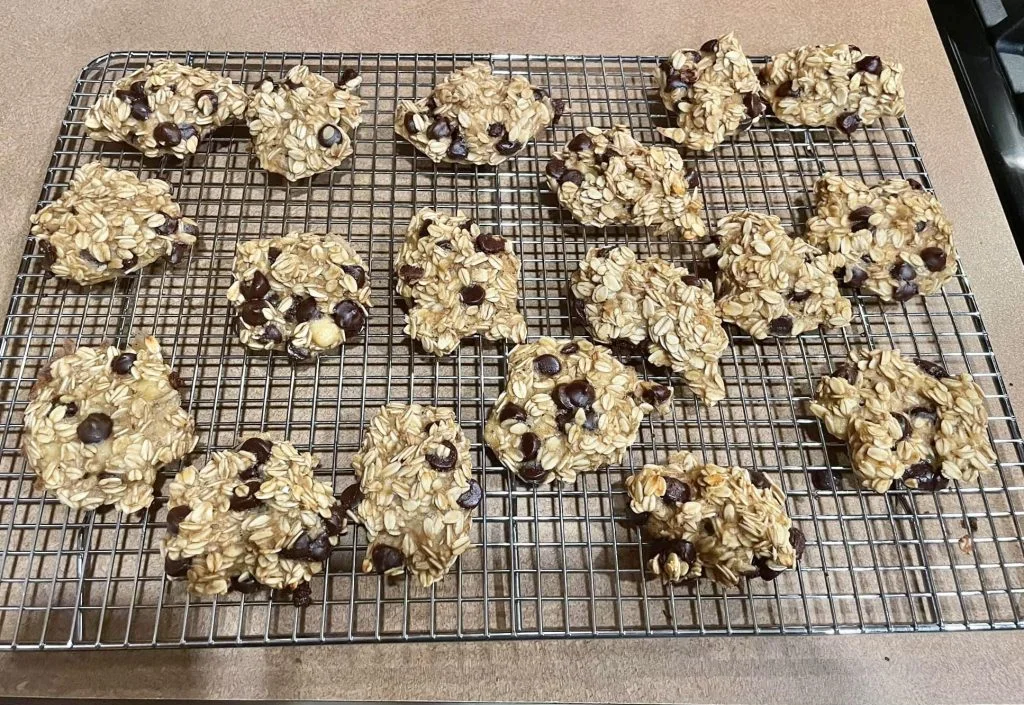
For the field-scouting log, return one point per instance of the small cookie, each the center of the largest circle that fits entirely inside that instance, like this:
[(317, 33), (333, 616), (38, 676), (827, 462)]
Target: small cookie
[(719, 522), (303, 293), (252, 516), (303, 125), (166, 108), (652, 303), (608, 178), (109, 223), (101, 423), (835, 85), (893, 238), (714, 92), (418, 494), (457, 282), (569, 407), (769, 283), (477, 118), (906, 420)]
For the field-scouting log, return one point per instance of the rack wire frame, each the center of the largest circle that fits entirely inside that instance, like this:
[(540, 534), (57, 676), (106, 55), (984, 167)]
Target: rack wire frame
[(558, 561)]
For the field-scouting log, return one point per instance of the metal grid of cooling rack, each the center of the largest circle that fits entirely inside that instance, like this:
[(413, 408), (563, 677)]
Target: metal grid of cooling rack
[(551, 562)]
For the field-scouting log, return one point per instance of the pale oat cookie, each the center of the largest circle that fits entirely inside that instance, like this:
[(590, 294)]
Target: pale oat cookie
[(569, 407), (713, 91), (477, 118), (303, 293), (769, 283), (251, 516), (835, 85), (166, 108), (101, 422), (109, 223), (457, 282), (662, 308), (893, 238), (905, 420), (721, 522), (608, 178), (417, 492), (304, 125)]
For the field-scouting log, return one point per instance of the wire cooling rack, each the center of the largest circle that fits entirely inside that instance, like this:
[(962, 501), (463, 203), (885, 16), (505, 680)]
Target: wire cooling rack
[(551, 562)]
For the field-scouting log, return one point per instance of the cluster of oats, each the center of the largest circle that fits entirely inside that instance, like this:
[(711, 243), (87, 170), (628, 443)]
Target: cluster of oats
[(893, 238), (415, 477), (303, 293), (905, 420), (109, 223), (252, 516), (836, 85), (165, 108), (568, 407), (769, 283), (477, 118), (101, 422), (708, 520), (608, 178), (713, 90), (303, 125), (457, 282), (652, 303)]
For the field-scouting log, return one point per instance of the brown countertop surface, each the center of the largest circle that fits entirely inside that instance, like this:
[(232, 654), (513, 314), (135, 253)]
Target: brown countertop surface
[(46, 44)]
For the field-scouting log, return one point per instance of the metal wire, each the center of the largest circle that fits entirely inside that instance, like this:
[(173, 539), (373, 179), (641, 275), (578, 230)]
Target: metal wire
[(552, 562)]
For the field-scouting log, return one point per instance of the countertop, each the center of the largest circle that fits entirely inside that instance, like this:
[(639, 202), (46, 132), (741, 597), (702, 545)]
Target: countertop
[(46, 44)]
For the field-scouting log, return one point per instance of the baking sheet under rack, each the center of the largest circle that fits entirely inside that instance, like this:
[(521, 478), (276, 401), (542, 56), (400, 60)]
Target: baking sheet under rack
[(553, 562)]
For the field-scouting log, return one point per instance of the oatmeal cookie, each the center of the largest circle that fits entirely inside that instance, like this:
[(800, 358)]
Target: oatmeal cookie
[(303, 293), (835, 85), (713, 91), (608, 178), (719, 522), (568, 407), (893, 238), (304, 125), (109, 223), (102, 421), (457, 282), (769, 283), (251, 516), (477, 118), (417, 491), (652, 304), (905, 420), (166, 108)]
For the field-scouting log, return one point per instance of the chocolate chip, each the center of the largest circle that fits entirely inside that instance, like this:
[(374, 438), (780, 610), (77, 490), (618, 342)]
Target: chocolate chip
[(350, 497), (782, 326), (328, 136), (320, 548), (934, 259), (578, 394), (710, 46), (95, 428), (692, 179), (920, 225), (902, 271), (177, 567), (798, 541), (684, 550), (915, 184), (256, 288), (307, 310), (471, 497), (825, 480), (558, 108), (125, 96), (272, 254), (932, 368), (870, 64), (247, 501), (439, 129), (676, 491), (473, 295), (539, 94), (261, 448), (129, 263), (356, 272), (512, 411), (570, 349), (443, 462), (692, 280), (140, 109), (251, 312), (246, 585), (122, 364), (168, 227), (48, 252), (410, 123), (666, 67), (431, 103), (507, 146), (386, 558), (167, 134), (211, 99), (262, 83), (571, 176), (905, 428), (591, 420), (532, 472), (411, 273), (349, 317), (70, 410), (529, 445), (923, 476), (490, 244), (348, 75), (844, 370), (302, 595), (547, 365), (299, 550), (799, 296), (656, 394), (564, 419), (786, 89), (759, 480), (555, 169), (847, 123), (675, 82), (458, 149), (858, 277), (905, 291), (175, 516), (754, 105), (923, 412), (178, 252), (763, 571), (581, 143)]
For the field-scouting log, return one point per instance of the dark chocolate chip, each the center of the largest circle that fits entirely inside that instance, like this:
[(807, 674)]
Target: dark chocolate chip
[(786, 89), (507, 146), (443, 462), (558, 108), (532, 472), (656, 394), (167, 134), (932, 368), (70, 410), (529, 445), (903, 271), (763, 571), (692, 280), (140, 109), (122, 364), (411, 273), (251, 312), (571, 176), (915, 184), (350, 497), (847, 123), (844, 370), (471, 497), (920, 225), (178, 252), (934, 259), (798, 541), (177, 567), (923, 476), (578, 394), (48, 252), (870, 64), (754, 105), (591, 420), (473, 295), (676, 491), (247, 501), (386, 558), (445, 245), (692, 179), (547, 365), (272, 254), (581, 143), (905, 427), (256, 288), (782, 326), (439, 129), (710, 46), (666, 67), (929, 414), (458, 149), (307, 310), (246, 585), (349, 317), (175, 516), (490, 244), (431, 103), (555, 169), (410, 123), (825, 480), (496, 129), (759, 480), (302, 595), (328, 136), (320, 548), (211, 98), (356, 272), (168, 227), (261, 448), (570, 349), (299, 550), (95, 428), (271, 334), (675, 82), (799, 296), (905, 291), (349, 74), (511, 411), (858, 277), (684, 550)]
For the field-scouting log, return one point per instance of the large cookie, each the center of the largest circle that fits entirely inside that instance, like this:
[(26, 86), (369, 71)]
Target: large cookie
[(653, 304), (608, 178), (166, 108), (101, 423), (476, 117), (568, 407), (457, 281), (893, 238), (418, 494), (713, 91), (906, 420), (769, 283), (252, 516), (109, 223), (303, 293)]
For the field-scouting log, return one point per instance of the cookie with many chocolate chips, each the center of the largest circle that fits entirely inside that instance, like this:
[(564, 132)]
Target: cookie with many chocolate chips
[(568, 407), (418, 492), (252, 516), (905, 420), (892, 239)]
